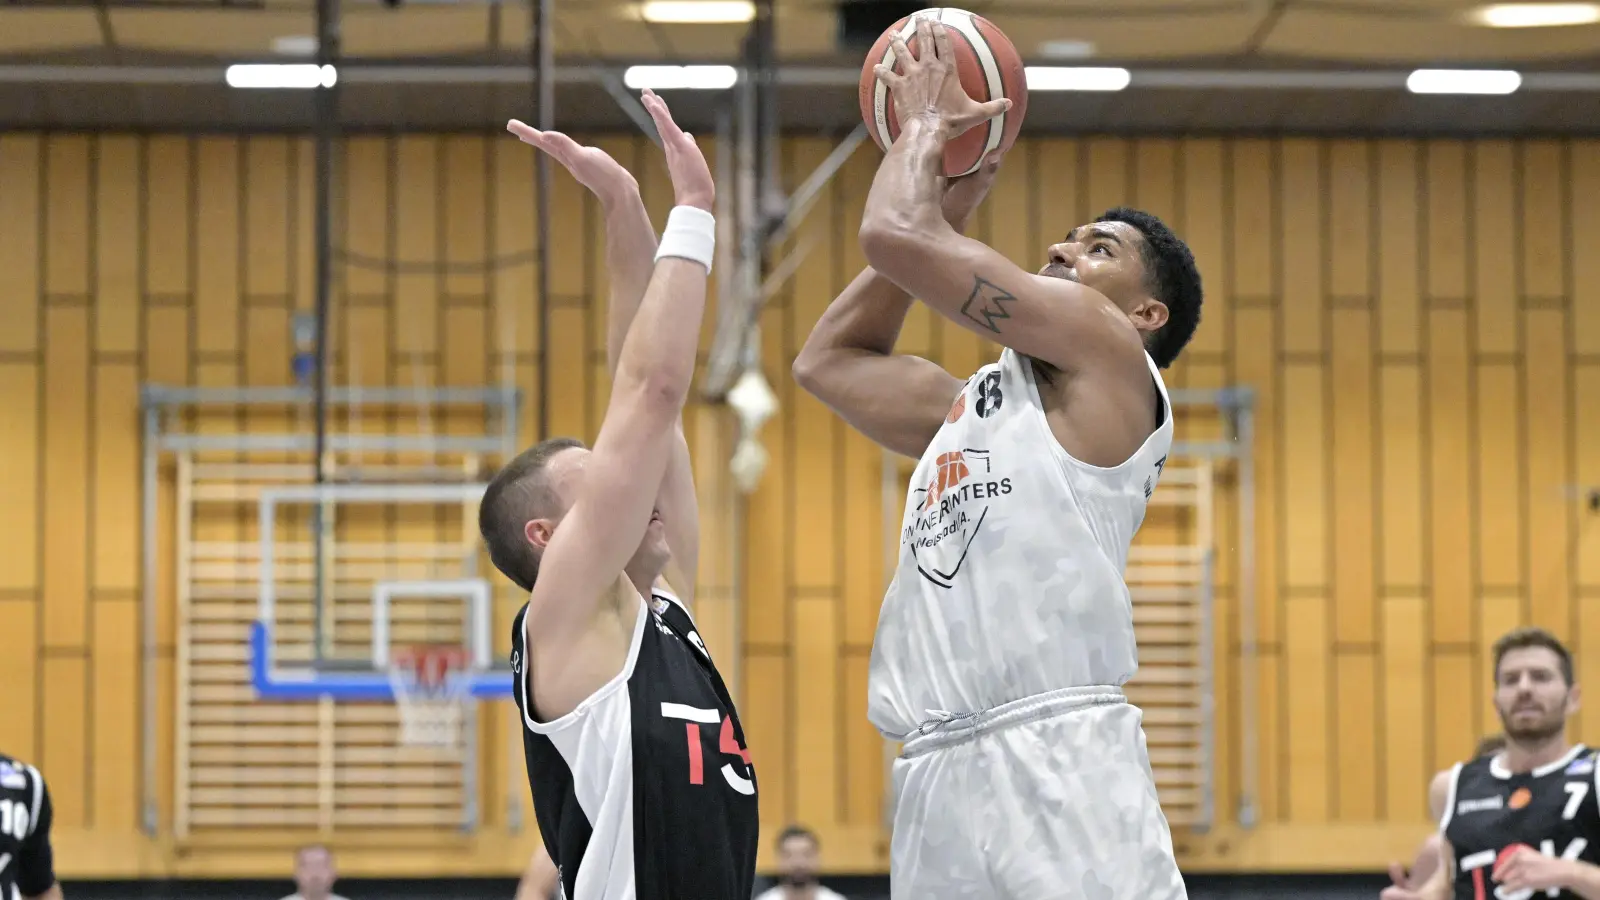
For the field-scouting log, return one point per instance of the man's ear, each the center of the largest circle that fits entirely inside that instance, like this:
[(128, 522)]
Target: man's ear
[(538, 532), (1149, 316)]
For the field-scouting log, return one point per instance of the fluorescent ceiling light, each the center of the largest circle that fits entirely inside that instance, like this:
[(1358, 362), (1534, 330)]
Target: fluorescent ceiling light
[(697, 12), (680, 78), (1536, 15), (1463, 81), (295, 45), (1076, 78), (282, 75), (1066, 49)]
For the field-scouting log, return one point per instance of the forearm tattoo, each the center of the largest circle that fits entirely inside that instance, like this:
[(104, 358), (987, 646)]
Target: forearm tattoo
[(986, 305)]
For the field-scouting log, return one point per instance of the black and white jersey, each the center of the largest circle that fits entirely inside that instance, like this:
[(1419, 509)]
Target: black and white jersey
[(27, 866), (646, 789), (1552, 809)]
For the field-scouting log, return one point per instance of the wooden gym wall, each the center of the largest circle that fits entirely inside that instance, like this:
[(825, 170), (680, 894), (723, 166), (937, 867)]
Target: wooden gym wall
[(1419, 319)]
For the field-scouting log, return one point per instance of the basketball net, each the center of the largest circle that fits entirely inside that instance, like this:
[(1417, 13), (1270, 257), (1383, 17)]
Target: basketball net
[(431, 689)]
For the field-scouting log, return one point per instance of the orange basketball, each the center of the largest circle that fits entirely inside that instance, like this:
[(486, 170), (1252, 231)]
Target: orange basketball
[(989, 67)]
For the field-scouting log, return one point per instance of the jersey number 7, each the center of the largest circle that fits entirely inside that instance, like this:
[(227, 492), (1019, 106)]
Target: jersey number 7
[(726, 744)]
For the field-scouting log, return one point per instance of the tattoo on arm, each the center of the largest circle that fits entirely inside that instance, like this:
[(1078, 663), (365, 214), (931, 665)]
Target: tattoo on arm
[(986, 305)]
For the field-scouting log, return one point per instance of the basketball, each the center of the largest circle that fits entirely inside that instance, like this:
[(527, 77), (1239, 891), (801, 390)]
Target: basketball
[(989, 67)]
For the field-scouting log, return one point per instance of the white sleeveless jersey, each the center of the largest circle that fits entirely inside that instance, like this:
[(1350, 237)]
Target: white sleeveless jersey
[(1010, 575)]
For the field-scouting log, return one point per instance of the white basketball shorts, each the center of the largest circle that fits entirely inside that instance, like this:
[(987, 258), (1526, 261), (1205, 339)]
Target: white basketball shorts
[(1045, 798)]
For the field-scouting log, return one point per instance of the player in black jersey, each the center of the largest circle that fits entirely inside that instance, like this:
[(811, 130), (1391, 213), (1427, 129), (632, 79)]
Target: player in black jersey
[(1522, 822), (27, 864), (641, 782), (1427, 860)]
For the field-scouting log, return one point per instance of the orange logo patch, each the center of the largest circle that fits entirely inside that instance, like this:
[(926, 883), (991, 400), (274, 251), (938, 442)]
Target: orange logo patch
[(959, 407), (952, 470), (1519, 798)]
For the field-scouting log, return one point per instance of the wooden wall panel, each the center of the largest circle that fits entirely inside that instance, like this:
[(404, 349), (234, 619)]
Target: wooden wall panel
[(19, 481), (116, 264), (68, 218), (22, 252), (1417, 319), (171, 183), (1448, 465), (1585, 267), (1405, 703), (65, 477), (218, 297)]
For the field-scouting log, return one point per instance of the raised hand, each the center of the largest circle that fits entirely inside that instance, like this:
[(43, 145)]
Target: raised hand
[(928, 87), (592, 167), (691, 176)]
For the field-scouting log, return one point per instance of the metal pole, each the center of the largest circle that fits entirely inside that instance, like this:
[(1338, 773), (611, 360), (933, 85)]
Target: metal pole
[(1244, 436), (748, 185), (544, 82), (326, 127), (147, 610), (768, 185)]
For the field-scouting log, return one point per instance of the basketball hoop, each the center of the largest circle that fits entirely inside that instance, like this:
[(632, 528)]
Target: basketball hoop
[(431, 689)]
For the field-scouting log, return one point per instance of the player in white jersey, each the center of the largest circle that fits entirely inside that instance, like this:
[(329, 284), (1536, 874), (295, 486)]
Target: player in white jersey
[(1007, 631)]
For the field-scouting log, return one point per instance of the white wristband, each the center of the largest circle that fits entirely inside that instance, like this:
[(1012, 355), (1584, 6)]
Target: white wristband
[(691, 233)]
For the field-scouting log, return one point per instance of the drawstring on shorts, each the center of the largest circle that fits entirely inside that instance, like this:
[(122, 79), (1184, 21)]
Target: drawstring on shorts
[(943, 728)]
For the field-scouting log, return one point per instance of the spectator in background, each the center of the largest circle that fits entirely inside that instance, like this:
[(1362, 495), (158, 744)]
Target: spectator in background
[(798, 859), (314, 874)]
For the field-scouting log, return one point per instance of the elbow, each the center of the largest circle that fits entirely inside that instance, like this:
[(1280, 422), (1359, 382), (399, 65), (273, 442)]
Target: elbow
[(656, 391), (807, 369), (667, 390), (816, 369), (884, 238), (897, 244)]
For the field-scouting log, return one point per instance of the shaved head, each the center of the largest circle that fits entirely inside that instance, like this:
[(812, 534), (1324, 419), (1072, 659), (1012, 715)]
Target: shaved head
[(528, 488)]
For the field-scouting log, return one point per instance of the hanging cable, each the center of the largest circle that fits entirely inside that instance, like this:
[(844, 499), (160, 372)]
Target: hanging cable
[(327, 111)]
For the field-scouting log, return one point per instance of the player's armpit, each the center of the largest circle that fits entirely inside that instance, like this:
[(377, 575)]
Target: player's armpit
[(52, 893), (1051, 319)]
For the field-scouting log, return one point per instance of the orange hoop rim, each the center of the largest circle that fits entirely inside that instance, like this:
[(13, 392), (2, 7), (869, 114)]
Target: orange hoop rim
[(429, 666)]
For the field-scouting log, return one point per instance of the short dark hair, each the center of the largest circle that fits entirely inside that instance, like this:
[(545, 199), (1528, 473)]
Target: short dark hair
[(1523, 638), (797, 831), (518, 493), (1171, 276), (1494, 743)]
